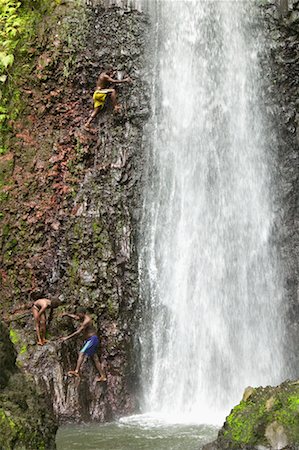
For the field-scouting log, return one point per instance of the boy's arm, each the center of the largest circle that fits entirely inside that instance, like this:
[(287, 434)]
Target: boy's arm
[(111, 80), (73, 334), (80, 329), (42, 310), (72, 316)]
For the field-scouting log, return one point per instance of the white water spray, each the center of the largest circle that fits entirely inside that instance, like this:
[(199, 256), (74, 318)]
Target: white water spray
[(212, 307)]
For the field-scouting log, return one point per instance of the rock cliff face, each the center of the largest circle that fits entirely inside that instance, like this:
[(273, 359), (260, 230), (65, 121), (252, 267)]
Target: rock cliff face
[(71, 202), (281, 71), (26, 421), (70, 198)]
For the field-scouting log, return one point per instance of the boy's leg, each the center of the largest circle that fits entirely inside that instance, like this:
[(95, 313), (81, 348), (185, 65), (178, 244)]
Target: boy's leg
[(37, 324), (94, 113), (43, 328), (116, 106), (100, 368), (80, 361)]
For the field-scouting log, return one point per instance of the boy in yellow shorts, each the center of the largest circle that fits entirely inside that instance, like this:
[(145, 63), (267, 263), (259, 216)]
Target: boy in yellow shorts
[(101, 92)]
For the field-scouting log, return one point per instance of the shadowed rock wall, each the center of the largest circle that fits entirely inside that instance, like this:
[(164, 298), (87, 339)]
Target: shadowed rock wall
[(281, 71), (26, 421)]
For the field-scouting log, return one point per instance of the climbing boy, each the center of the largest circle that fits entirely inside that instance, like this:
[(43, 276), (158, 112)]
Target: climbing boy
[(102, 90), (90, 346)]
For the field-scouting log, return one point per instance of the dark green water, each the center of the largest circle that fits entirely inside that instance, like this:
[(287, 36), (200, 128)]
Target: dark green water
[(137, 433)]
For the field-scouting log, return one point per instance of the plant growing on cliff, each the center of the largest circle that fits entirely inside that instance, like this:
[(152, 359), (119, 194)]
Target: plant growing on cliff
[(18, 20)]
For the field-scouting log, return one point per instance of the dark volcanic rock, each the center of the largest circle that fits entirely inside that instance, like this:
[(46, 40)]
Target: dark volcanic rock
[(211, 446), (7, 357), (281, 71), (72, 210), (26, 421)]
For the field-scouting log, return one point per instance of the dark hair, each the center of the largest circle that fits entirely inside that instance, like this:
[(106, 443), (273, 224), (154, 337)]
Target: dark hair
[(55, 303), (81, 310), (109, 68)]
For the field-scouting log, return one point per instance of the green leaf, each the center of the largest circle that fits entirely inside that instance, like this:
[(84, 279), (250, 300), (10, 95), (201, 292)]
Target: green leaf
[(6, 60), (8, 43)]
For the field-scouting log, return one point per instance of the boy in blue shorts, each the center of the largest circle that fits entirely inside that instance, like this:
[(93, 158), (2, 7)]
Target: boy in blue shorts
[(90, 346)]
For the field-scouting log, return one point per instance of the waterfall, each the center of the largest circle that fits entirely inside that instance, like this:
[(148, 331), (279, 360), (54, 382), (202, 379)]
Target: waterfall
[(212, 309)]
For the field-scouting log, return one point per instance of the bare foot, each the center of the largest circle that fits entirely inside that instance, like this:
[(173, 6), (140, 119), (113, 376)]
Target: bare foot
[(73, 373), (117, 109), (89, 129), (40, 343), (45, 341), (101, 378)]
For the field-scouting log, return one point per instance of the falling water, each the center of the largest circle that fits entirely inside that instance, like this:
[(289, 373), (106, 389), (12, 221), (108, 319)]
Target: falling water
[(212, 320)]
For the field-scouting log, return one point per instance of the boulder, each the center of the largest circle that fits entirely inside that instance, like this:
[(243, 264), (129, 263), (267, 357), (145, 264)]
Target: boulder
[(276, 435), (268, 419)]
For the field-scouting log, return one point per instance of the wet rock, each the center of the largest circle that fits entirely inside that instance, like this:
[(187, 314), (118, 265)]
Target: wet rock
[(276, 436), (253, 425), (247, 393), (293, 18), (280, 68), (26, 420), (211, 446), (270, 403), (7, 357)]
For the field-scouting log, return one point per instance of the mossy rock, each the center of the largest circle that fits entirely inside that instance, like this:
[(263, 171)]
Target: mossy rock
[(26, 421), (269, 418), (7, 357), (18, 433)]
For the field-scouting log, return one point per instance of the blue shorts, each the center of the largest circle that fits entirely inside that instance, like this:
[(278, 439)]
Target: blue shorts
[(90, 346)]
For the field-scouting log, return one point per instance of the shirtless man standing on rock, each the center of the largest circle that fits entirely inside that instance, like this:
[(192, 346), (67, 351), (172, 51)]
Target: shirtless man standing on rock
[(90, 346), (101, 92), (38, 309)]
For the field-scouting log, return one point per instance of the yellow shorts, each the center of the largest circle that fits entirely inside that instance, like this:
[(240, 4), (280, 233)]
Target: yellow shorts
[(99, 98)]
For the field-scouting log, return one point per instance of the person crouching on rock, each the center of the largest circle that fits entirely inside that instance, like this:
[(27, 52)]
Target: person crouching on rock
[(90, 346), (38, 309), (102, 90)]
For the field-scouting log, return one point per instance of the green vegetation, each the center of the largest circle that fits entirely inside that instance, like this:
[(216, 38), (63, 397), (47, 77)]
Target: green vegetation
[(17, 341), (112, 308), (73, 270), (242, 422), (18, 25), (247, 423), (17, 430), (287, 414), (25, 420)]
